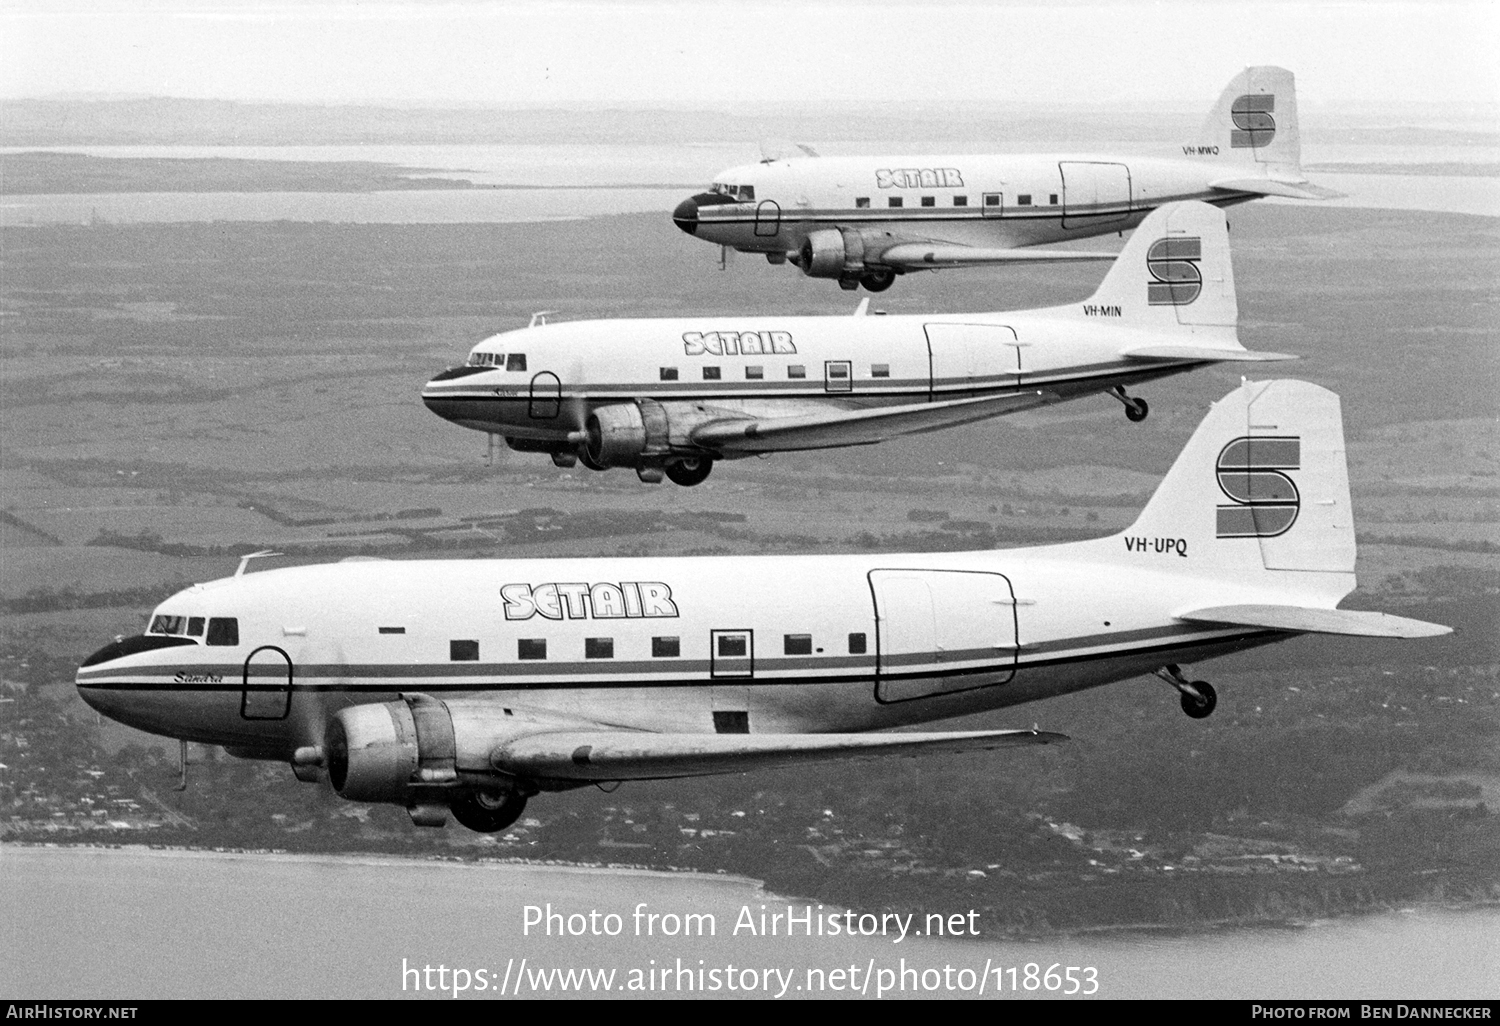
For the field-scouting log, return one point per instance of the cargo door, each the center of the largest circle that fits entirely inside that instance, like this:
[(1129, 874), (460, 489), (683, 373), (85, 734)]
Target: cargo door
[(941, 631), (1094, 193), (967, 358)]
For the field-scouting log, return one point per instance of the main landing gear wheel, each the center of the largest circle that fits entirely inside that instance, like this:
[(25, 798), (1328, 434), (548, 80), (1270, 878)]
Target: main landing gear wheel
[(878, 281), (1136, 411), (1202, 707), (487, 813), (690, 471)]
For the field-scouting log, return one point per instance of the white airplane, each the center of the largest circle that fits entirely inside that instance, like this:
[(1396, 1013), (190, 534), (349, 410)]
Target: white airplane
[(466, 686), (865, 220), (672, 396)]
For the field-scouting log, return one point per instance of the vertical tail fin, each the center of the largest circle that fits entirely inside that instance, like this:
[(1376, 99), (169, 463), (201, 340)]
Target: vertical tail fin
[(1174, 274), (1261, 486), (1254, 122)]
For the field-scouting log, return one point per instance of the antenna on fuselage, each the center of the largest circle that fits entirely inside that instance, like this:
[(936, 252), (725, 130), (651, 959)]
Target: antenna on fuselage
[(540, 317), (245, 560)]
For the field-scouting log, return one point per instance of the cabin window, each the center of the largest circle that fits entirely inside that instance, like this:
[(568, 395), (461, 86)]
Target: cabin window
[(669, 373), (1023, 200), (755, 373), (598, 648), (880, 370), (861, 202), (223, 630), (838, 370), (960, 201), (393, 630), (463, 651), (531, 648), (515, 362), (894, 201), (734, 645), (195, 627), (711, 374), (929, 201), (992, 199), (797, 644), (665, 648), (796, 370), (1053, 199), (857, 644)]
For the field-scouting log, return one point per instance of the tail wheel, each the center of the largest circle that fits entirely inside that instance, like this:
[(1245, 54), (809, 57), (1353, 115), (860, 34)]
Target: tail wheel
[(1203, 706), (486, 813), (690, 471), (878, 281)]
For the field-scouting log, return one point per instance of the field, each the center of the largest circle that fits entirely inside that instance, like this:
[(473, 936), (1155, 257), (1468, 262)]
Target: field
[(176, 395)]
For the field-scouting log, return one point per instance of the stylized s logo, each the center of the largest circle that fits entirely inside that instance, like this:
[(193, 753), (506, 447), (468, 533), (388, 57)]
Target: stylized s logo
[(1253, 124), (1251, 472), (1173, 262)]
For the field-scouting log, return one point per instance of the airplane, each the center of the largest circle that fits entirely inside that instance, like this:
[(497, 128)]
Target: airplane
[(670, 397), (465, 687), (866, 220)]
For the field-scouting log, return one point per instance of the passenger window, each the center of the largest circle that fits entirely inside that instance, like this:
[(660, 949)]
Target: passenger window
[(992, 199), (515, 362), (929, 201), (733, 645), (223, 630), (856, 644), (960, 201), (880, 370), (894, 201), (710, 374), (838, 369), (598, 648), (1053, 200), (531, 648), (669, 373), (755, 373), (796, 370), (797, 644), (392, 630), (665, 648), (861, 202), (1023, 200), (195, 627), (463, 651)]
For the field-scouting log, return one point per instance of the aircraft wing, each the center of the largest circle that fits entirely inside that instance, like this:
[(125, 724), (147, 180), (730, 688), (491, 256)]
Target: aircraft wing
[(1202, 353), (1303, 190), (823, 430), (1308, 620), (918, 256), (641, 755)]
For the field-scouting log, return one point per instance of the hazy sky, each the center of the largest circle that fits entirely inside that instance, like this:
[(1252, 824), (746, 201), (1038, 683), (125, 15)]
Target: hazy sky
[(700, 54)]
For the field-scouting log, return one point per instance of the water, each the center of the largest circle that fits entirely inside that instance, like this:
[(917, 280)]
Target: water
[(587, 180), (138, 923)]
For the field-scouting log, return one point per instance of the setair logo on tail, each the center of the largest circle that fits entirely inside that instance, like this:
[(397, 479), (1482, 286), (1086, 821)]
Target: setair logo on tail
[(1251, 471), (1173, 262), (1254, 126)]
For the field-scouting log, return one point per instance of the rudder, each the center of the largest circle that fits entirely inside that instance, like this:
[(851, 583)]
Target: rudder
[(1253, 122)]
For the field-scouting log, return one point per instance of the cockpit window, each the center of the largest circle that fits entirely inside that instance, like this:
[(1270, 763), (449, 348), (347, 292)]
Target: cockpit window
[(195, 627), (486, 359), (743, 193), (223, 630), (515, 362), (165, 624)]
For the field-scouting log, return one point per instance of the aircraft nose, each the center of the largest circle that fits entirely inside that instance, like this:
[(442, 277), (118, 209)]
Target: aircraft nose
[(686, 215)]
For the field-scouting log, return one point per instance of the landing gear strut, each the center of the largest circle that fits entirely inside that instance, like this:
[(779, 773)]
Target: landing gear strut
[(1198, 696), (1136, 408), (690, 471), (487, 813)]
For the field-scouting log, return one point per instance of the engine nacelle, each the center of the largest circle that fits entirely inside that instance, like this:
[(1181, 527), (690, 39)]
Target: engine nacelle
[(391, 752), (833, 253), (642, 432)]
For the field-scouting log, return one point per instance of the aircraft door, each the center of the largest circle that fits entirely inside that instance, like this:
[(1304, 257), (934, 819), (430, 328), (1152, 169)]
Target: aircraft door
[(767, 218), (838, 376), (732, 653), (992, 204), (1094, 193), (963, 358), (546, 396), (941, 631), (267, 691)]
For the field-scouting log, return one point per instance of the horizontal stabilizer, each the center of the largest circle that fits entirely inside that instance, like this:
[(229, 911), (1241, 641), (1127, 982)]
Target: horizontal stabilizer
[(1203, 353), (857, 427), (917, 256), (641, 755), (1273, 187), (1308, 620)]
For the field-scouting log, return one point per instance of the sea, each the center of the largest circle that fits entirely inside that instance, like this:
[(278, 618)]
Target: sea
[(126, 923), (571, 181)]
